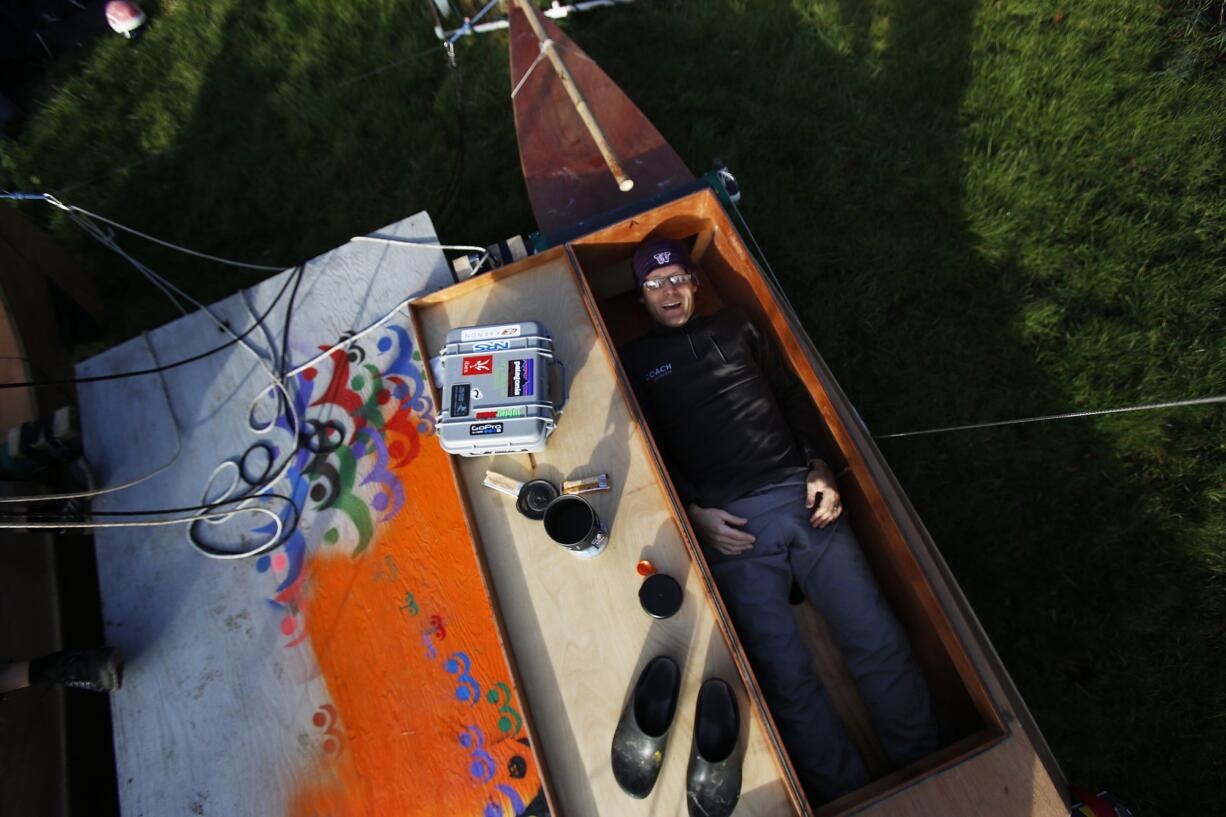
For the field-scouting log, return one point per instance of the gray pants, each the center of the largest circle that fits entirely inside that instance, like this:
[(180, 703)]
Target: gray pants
[(828, 564)]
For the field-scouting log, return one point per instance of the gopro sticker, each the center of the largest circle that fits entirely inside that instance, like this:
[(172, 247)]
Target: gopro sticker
[(481, 429)]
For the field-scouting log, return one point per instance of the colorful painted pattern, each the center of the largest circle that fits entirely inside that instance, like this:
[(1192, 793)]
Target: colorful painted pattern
[(379, 591)]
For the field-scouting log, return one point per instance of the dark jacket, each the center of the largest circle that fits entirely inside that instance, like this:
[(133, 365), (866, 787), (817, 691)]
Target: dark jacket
[(725, 410)]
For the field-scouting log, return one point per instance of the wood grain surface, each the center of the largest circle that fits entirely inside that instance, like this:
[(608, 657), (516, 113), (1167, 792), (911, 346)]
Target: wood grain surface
[(995, 760), (576, 629), (566, 175), (357, 669)]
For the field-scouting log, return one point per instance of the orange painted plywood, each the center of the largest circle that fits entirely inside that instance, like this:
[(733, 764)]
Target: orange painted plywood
[(413, 707), (426, 717)]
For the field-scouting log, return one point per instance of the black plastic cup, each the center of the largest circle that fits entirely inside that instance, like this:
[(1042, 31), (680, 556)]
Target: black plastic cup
[(572, 523), (660, 595)]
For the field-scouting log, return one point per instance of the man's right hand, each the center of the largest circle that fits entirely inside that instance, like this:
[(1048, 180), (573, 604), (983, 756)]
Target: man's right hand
[(714, 527)]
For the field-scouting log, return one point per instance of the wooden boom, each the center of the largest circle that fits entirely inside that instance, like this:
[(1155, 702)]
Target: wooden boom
[(549, 49), (564, 163)]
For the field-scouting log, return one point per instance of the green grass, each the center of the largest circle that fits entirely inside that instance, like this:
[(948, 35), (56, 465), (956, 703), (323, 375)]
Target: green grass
[(981, 210)]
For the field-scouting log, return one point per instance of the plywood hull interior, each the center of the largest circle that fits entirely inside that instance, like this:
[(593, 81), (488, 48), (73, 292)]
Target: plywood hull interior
[(967, 694), (573, 629), (723, 284)]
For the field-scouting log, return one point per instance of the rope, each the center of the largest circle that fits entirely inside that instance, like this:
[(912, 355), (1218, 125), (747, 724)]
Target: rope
[(276, 384), (154, 523), (406, 242), (85, 220), (431, 50), (769, 270), (540, 56), (575, 51), (1199, 401), (544, 45), (230, 128), (130, 483), (72, 209)]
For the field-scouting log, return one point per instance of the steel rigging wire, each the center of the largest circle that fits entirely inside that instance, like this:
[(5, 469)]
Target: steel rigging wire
[(84, 219), (1068, 415), (209, 510)]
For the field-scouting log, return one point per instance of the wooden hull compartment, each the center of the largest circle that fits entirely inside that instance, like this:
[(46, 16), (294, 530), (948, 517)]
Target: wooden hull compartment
[(979, 711), (574, 631)]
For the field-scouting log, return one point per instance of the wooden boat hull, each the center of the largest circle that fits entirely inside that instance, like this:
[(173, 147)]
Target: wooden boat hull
[(568, 180), (994, 760), (979, 709)]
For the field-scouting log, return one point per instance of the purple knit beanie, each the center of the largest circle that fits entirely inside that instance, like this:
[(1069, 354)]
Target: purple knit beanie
[(656, 253)]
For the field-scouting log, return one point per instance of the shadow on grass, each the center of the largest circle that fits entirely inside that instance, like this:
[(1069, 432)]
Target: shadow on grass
[(289, 146), (851, 156), (845, 123)]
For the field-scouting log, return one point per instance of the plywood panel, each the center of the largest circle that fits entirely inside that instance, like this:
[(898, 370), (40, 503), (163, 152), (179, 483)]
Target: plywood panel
[(567, 179), (1007, 780), (975, 697), (355, 670), (577, 632)]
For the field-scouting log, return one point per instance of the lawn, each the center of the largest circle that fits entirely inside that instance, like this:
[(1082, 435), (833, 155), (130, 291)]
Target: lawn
[(981, 210)]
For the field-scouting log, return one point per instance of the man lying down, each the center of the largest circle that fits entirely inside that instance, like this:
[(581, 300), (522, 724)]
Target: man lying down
[(740, 436)]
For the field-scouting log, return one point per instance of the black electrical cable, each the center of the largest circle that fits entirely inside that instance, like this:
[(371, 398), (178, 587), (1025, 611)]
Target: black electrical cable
[(286, 530), (212, 506), (68, 515), (156, 369), (449, 198)]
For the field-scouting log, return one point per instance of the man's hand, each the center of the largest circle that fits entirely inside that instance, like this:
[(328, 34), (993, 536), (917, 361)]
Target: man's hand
[(714, 527), (820, 482)]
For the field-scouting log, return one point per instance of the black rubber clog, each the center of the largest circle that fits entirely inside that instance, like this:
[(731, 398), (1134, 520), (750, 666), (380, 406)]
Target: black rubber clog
[(642, 732), (713, 782)]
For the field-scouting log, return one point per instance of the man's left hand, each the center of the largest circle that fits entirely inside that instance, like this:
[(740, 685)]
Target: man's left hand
[(821, 482)]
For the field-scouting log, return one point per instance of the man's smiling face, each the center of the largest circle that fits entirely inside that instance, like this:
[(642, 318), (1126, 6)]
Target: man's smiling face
[(672, 304)]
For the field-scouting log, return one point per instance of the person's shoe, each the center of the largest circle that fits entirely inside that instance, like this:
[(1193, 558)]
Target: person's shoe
[(713, 782), (99, 669), (642, 732)]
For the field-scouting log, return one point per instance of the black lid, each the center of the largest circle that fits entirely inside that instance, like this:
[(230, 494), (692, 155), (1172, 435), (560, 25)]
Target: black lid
[(660, 595), (534, 497)]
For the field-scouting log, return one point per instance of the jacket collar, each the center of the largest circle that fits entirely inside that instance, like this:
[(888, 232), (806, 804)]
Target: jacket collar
[(693, 323)]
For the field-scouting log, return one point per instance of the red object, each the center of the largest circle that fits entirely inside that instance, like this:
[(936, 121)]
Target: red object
[(645, 568), (1102, 804), (124, 17), (477, 365)]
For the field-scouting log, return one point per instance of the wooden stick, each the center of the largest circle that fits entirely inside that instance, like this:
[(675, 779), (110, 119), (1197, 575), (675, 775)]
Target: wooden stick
[(502, 483), (624, 182)]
